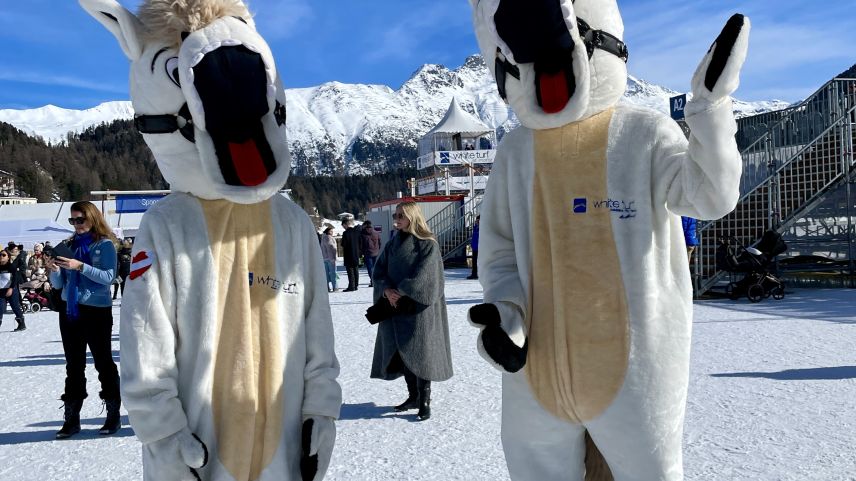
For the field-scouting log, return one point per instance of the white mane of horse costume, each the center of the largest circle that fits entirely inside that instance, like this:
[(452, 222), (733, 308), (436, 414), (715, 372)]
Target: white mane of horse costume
[(228, 368), (588, 299)]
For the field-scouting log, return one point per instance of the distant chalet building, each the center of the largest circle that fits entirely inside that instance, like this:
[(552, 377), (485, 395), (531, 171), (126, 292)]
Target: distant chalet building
[(9, 194)]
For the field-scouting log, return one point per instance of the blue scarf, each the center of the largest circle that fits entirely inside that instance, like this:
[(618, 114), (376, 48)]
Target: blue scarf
[(80, 243)]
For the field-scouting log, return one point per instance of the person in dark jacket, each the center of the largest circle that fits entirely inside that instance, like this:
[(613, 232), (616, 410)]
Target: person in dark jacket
[(9, 292), (369, 247), (351, 253), (124, 260), (19, 262), (474, 245), (410, 309), (87, 319)]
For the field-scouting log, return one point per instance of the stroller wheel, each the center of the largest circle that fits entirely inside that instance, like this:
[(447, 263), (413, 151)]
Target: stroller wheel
[(756, 292), (36, 308), (778, 293)]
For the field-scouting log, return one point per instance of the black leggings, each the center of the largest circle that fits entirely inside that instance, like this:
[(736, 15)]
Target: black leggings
[(14, 301), (94, 328)]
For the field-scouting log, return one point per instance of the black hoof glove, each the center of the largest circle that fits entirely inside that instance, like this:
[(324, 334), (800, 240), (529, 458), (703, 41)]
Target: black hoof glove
[(380, 311), (496, 342), (408, 306), (308, 464)]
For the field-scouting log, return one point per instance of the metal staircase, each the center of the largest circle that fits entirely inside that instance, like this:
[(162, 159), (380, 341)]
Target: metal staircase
[(453, 226), (791, 159)]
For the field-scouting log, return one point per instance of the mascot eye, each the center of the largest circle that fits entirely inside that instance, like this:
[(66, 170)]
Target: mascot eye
[(172, 70)]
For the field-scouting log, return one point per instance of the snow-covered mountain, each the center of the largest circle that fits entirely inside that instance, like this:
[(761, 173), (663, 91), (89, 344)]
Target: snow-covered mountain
[(338, 128)]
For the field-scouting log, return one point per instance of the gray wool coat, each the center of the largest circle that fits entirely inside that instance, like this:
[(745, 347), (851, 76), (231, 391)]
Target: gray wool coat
[(414, 267)]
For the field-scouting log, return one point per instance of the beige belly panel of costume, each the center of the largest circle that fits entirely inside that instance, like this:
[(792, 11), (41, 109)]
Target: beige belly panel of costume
[(249, 362), (578, 319)]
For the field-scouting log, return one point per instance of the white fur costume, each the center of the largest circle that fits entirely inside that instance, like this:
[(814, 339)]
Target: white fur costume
[(651, 176), (226, 335)]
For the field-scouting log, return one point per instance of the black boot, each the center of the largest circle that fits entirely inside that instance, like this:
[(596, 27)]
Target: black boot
[(21, 325), (71, 426), (424, 400), (412, 401), (113, 422)]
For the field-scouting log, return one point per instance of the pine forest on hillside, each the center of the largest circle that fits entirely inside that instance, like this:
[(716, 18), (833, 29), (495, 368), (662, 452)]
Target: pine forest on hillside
[(113, 156)]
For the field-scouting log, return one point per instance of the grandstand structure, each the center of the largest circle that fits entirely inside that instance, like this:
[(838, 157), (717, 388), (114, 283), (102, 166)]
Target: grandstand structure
[(799, 179)]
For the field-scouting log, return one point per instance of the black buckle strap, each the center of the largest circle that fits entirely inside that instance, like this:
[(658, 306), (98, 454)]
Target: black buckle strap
[(602, 40), (502, 68), (167, 124), (279, 114), (183, 122)]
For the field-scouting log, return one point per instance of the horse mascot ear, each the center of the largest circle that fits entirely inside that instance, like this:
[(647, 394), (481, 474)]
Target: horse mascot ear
[(124, 25)]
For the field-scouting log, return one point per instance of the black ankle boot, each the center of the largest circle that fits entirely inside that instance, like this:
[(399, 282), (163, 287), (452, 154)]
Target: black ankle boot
[(412, 401), (71, 414), (113, 422), (424, 400), (22, 326)]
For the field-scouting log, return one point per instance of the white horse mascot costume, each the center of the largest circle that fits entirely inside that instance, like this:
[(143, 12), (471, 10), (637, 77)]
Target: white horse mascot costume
[(588, 299), (228, 368)]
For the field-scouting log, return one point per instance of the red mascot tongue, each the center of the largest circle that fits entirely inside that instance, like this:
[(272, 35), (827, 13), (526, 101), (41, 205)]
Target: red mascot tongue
[(554, 92), (248, 163)]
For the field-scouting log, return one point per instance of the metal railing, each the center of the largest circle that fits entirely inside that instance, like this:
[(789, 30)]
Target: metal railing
[(786, 171), (452, 226)]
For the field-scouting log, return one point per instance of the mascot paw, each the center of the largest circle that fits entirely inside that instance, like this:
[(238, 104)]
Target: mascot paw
[(718, 75), (380, 311), (494, 343), (317, 439), (176, 457)]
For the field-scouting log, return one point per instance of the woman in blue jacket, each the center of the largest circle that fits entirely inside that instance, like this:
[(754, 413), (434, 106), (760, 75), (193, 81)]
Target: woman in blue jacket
[(87, 318)]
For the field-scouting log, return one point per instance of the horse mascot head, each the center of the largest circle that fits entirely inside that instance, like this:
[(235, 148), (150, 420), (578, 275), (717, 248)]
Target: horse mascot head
[(207, 95)]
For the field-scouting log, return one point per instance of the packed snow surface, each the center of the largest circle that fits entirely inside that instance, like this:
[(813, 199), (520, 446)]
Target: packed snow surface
[(772, 397)]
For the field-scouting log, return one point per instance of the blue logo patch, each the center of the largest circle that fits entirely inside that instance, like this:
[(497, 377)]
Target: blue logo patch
[(444, 157), (580, 205), (251, 278)]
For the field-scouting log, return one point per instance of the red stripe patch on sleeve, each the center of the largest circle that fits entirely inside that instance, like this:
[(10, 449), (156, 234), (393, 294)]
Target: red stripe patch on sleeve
[(140, 264)]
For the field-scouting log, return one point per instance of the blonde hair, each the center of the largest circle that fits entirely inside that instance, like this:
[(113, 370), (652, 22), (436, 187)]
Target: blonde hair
[(100, 228), (168, 19), (418, 225)]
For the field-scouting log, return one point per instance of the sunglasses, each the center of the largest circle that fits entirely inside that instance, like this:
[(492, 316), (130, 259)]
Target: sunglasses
[(76, 220), (398, 216)]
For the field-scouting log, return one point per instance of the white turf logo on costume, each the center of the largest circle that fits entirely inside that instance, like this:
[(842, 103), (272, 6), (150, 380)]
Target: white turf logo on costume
[(273, 283), (627, 208)]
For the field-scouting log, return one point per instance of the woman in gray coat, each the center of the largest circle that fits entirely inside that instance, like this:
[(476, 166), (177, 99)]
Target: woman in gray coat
[(410, 307)]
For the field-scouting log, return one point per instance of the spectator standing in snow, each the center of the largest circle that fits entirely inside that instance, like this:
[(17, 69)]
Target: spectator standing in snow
[(690, 236), (19, 262), (124, 262), (474, 245), (369, 247), (329, 253), (351, 253), (88, 317), (410, 307), (9, 292)]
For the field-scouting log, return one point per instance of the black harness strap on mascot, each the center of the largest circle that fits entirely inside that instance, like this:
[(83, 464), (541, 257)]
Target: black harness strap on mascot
[(183, 122)]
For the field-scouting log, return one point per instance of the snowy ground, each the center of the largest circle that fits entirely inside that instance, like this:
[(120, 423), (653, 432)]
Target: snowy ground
[(772, 397)]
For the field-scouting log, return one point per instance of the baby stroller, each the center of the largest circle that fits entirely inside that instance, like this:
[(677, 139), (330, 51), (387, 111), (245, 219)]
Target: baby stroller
[(754, 263), (34, 293)]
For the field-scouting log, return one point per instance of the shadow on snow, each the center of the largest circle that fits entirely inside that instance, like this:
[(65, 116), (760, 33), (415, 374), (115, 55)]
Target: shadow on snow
[(813, 374)]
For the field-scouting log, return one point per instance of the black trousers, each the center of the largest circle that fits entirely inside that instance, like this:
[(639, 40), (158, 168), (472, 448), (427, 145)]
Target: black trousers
[(475, 272), (121, 285), (353, 276), (94, 328)]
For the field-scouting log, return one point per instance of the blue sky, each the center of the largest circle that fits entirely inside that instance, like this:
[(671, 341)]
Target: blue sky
[(54, 53)]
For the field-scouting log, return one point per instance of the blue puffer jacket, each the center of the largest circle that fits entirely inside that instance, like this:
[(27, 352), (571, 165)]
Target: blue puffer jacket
[(95, 282), (690, 235)]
